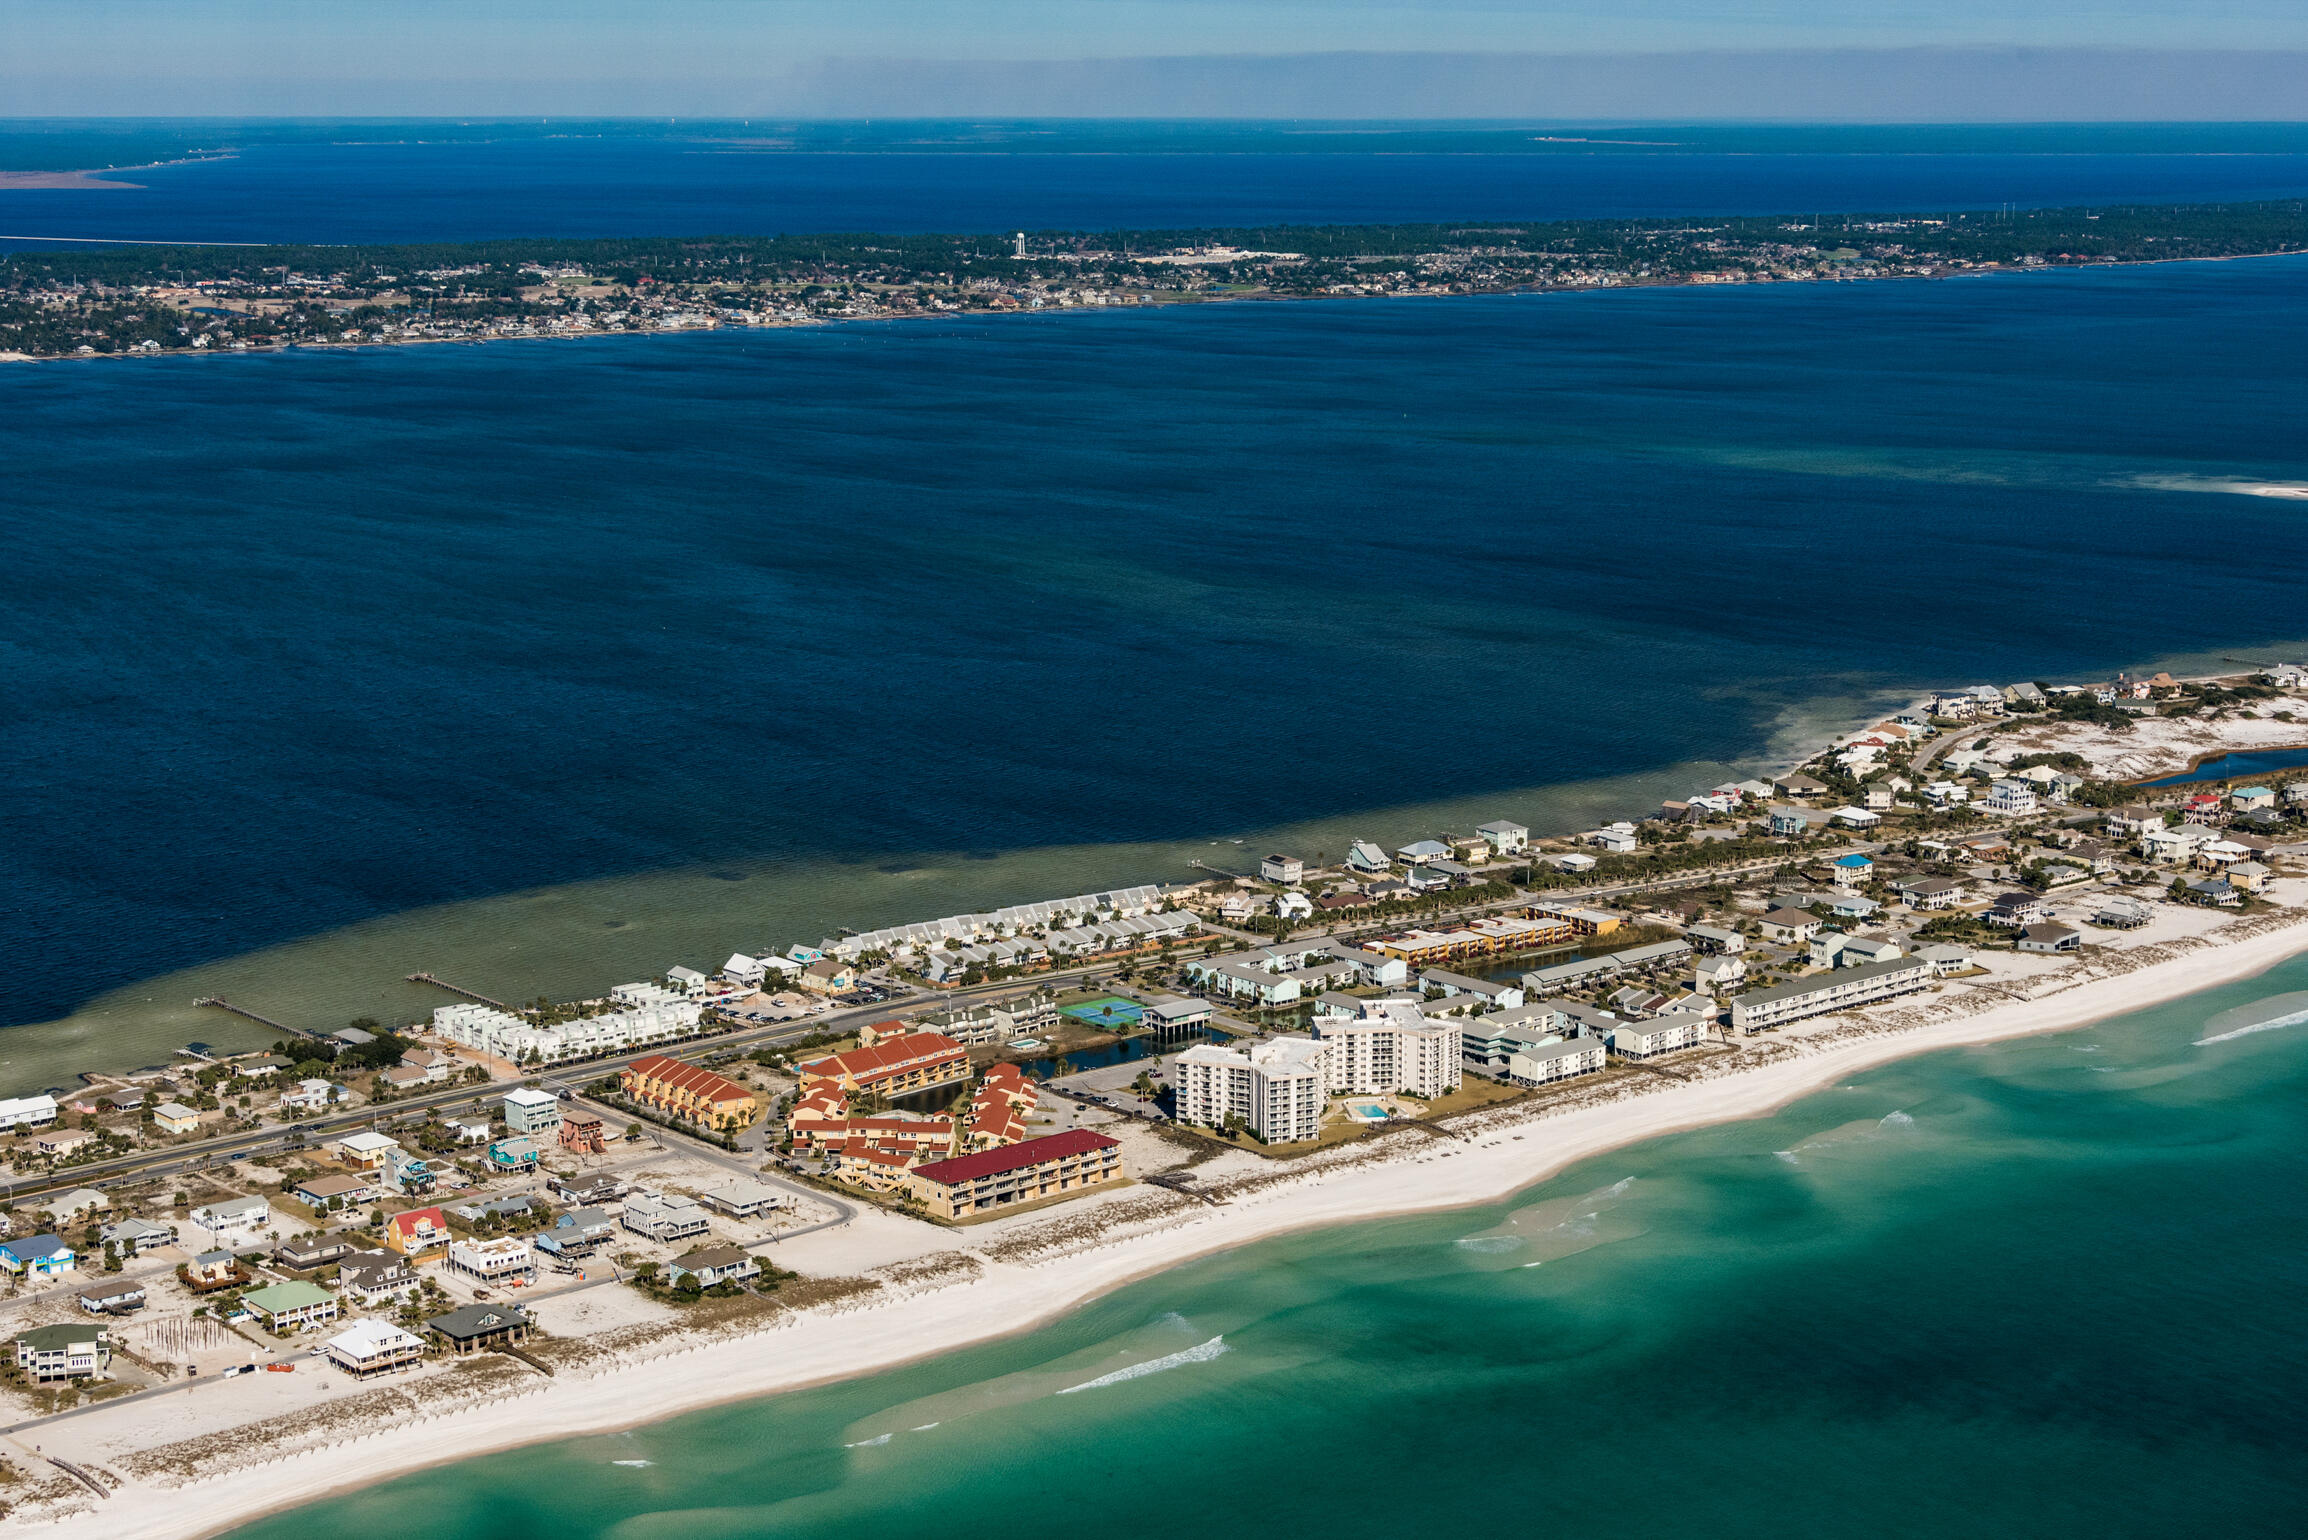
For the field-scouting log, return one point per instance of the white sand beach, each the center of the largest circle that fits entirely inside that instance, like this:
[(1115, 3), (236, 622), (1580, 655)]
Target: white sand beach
[(971, 1285)]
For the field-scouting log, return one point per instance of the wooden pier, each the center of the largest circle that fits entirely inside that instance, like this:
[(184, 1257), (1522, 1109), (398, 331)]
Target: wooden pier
[(1181, 1183), (245, 1013), (459, 989)]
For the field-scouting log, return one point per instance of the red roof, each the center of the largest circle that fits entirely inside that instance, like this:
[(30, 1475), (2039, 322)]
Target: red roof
[(1016, 1157), (888, 1056), (407, 1219)]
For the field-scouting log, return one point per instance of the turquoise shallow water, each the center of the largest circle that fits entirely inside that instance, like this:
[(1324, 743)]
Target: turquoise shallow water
[(2043, 1288)]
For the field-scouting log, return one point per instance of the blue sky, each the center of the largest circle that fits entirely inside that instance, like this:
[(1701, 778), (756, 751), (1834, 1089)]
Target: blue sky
[(742, 56)]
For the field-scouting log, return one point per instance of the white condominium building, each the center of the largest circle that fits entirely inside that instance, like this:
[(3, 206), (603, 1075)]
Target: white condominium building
[(509, 1037), (1277, 1089), (1392, 1047)]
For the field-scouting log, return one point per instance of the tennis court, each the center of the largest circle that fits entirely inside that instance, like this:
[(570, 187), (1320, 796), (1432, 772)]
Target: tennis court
[(1112, 1012)]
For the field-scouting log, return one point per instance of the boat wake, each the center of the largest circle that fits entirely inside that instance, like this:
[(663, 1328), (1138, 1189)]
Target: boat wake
[(1202, 1353)]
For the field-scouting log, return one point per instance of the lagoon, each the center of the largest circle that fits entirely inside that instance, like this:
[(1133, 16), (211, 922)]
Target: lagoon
[(2229, 767)]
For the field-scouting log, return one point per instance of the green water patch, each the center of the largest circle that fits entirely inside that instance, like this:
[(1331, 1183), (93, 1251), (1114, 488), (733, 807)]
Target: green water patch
[(1986, 1271), (578, 940)]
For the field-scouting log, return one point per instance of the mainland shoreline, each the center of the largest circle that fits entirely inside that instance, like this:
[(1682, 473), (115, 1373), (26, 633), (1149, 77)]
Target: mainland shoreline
[(903, 1322)]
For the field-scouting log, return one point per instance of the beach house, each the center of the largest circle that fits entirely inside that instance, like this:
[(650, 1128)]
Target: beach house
[(477, 1328), (174, 1118), (531, 1111), (503, 1260), (710, 1265), (367, 1349), (233, 1220), (513, 1157), (56, 1355), (663, 1216), (324, 1193), (417, 1233), (286, 1307), (372, 1278), (37, 1258)]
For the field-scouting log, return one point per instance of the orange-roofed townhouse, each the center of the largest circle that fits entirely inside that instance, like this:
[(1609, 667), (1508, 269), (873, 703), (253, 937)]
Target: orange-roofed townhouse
[(998, 1110), (686, 1091), (893, 1066), (818, 1115), (932, 1136), (417, 1233), (875, 1167)]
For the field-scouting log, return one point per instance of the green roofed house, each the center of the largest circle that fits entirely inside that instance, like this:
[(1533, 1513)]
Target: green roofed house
[(49, 1355), (477, 1327), (287, 1306)]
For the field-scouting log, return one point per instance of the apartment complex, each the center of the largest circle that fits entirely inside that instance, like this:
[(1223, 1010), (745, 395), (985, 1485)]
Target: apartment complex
[(686, 1091), (1489, 936), (495, 1032), (1842, 990), (1391, 1047), (893, 1066), (1276, 1089), (980, 1183)]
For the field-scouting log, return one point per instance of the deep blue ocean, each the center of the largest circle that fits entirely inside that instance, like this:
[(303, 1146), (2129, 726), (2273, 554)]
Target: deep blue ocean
[(294, 640), (414, 183)]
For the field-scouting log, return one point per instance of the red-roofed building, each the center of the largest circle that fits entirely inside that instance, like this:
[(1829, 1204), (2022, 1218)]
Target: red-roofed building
[(930, 1137), (998, 1110), (872, 1165), (417, 1232), (893, 1066), (972, 1185), (686, 1091)]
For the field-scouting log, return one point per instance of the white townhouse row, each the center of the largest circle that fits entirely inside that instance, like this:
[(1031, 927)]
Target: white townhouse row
[(492, 1031), (1115, 935), (27, 1112), (1845, 989), (1053, 914)]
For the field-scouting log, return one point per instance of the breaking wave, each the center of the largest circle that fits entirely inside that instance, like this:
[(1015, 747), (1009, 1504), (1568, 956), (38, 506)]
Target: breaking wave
[(1896, 1119), (1490, 1242), (2289, 1019), (633, 1462), (871, 1443), (1200, 1354)]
